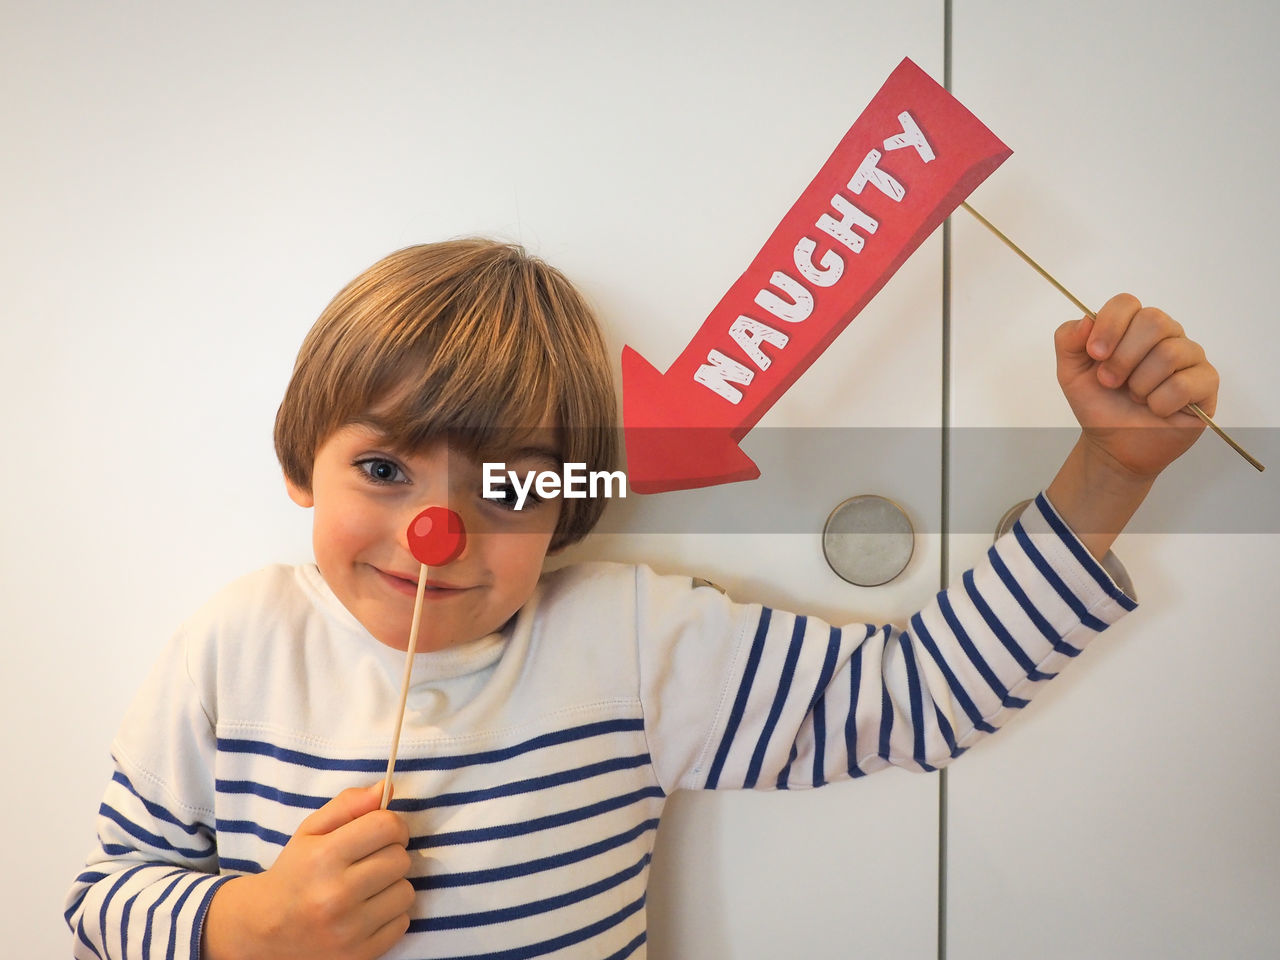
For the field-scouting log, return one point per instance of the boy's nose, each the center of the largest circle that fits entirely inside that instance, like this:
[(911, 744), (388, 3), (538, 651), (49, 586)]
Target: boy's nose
[(436, 536)]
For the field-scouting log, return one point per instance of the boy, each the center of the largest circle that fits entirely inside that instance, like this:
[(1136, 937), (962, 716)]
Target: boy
[(549, 717)]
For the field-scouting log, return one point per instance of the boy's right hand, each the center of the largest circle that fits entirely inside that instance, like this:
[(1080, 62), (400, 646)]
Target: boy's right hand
[(337, 890)]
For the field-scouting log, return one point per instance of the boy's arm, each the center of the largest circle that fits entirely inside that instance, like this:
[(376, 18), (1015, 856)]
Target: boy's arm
[(337, 890), (146, 886), (741, 696), (799, 703), (151, 887), (149, 880)]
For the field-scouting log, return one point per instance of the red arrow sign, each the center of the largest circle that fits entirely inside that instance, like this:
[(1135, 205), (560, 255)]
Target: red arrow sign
[(903, 167)]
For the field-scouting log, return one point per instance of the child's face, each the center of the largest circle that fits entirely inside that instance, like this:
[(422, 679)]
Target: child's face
[(365, 495)]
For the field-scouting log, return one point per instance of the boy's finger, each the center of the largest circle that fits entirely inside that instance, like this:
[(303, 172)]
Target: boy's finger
[(1069, 344), (1162, 361), (368, 834), (1198, 385), (1070, 338), (378, 871), (387, 904), (1147, 329), (349, 805), (1113, 319), (388, 935)]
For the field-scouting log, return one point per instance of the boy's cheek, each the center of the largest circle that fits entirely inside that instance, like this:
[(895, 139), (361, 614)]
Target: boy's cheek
[(343, 532), (532, 519), (516, 557)]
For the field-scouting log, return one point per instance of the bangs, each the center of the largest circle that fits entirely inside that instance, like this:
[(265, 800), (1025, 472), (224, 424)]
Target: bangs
[(486, 413), (472, 362)]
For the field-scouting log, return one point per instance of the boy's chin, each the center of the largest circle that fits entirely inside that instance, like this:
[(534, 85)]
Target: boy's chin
[(427, 641)]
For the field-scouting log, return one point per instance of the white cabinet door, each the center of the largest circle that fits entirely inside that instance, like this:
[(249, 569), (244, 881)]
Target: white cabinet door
[(1132, 812), (850, 869), (187, 190)]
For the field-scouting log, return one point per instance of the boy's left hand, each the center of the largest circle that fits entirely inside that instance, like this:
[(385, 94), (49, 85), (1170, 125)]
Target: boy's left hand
[(1127, 376)]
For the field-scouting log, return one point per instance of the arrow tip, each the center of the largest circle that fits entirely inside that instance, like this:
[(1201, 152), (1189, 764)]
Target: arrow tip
[(665, 450)]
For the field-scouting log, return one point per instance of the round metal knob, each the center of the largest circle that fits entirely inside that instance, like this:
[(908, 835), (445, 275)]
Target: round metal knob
[(1011, 517), (868, 540)]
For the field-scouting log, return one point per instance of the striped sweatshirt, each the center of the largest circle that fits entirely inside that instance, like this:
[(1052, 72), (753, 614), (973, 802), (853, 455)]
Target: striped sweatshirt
[(535, 762)]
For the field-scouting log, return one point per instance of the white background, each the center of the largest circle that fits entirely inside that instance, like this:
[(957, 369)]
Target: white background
[(184, 187), (1135, 812)]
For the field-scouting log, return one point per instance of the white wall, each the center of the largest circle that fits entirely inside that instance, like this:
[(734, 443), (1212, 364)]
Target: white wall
[(187, 186), (1136, 811)]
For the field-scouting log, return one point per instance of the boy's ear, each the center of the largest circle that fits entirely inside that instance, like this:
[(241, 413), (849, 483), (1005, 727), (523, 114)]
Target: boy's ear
[(302, 498)]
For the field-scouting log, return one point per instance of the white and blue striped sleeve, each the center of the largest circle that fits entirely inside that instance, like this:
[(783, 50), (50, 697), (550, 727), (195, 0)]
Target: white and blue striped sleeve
[(148, 881), (742, 696)]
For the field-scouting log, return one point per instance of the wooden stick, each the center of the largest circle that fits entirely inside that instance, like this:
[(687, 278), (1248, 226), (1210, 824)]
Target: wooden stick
[(1191, 407), (1035, 266), (404, 687)]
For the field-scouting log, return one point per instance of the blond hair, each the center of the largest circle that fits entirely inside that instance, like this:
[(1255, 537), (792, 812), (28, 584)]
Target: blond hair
[(471, 341)]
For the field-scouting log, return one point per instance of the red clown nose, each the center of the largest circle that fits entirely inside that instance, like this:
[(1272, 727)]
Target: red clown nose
[(436, 536)]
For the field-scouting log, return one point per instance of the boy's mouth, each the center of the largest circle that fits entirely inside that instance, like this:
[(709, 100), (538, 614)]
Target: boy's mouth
[(435, 589)]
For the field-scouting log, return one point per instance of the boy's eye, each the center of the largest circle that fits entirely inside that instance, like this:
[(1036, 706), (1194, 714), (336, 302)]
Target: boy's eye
[(381, 470), (507, 497)]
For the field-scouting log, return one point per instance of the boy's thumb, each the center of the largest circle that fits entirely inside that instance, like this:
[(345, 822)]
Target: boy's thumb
[(1070, 339), (350, 804)]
